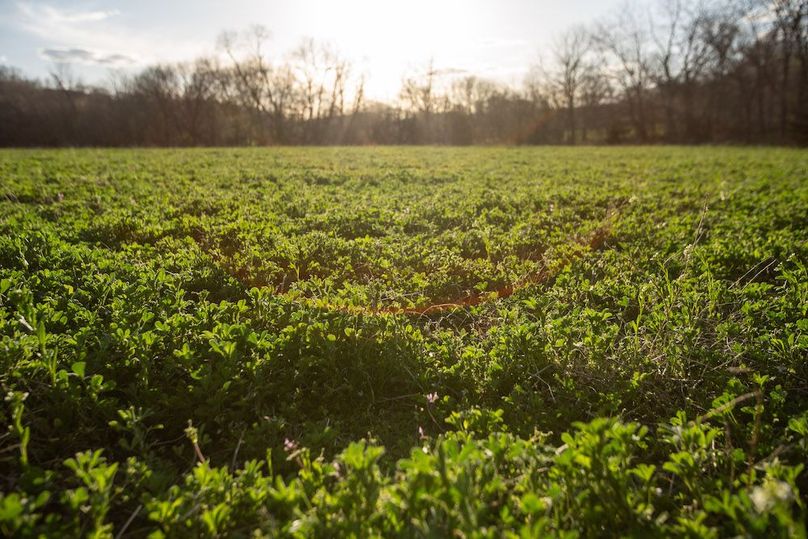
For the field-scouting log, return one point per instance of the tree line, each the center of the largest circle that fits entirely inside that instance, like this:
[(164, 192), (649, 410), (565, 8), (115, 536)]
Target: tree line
[(676, 71)]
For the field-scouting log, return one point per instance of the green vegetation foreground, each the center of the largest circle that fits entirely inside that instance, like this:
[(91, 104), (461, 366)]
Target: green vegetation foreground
[(404, 342)]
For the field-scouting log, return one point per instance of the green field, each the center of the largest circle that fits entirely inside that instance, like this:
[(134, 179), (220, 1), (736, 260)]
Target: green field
[(478, 342)]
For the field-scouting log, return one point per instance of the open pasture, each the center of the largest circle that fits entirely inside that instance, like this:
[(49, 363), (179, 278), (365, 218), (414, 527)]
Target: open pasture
[(404, 341)]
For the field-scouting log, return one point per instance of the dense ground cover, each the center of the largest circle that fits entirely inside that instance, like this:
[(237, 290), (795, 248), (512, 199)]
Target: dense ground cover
[(404, 342)]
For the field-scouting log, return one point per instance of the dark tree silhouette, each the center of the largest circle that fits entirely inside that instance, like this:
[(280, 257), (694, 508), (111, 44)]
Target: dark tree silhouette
[(683, 71)]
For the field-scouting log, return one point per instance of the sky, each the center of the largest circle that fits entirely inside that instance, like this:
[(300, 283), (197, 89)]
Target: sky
[(384, 39)]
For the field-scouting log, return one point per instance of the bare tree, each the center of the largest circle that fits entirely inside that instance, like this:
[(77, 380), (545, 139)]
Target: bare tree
[(159, 88), (198, 82), (689, 71), (65, 80), (68, 85), (624, 39), (681, 55), (595, 90), (722, 35), (470, 94), (269, 90), (417, 91), (569, 55), (790, 17), (322, 77)]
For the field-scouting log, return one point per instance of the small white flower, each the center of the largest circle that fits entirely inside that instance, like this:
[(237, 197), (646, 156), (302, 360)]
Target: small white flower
[(765, 497), (289, 445)]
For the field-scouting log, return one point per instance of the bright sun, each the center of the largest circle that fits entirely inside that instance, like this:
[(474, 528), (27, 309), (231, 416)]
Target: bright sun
[(382, 37)]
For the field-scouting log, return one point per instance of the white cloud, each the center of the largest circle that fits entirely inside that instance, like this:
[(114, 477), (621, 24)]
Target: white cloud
[(68, 17), (67, 55), (84, 56), (97, 37), (449, 71)]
